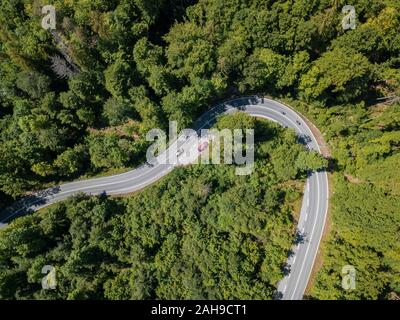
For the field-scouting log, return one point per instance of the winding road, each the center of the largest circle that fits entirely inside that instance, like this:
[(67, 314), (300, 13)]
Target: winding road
[(315, 200)]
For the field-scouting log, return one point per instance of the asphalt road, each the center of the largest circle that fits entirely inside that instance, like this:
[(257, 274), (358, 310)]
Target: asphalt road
[(315, 200)]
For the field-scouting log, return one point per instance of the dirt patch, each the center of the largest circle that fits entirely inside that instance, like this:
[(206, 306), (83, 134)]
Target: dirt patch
[(352, 179)]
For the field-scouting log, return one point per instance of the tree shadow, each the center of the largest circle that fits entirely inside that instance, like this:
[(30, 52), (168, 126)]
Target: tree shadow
[(303, 139)]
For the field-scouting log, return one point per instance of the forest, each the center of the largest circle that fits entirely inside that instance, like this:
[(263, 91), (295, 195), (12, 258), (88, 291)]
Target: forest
[(200, 233), (127, 66)]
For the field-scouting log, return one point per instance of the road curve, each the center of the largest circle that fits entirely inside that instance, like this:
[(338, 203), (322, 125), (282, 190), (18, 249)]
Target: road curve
[(315, 200)]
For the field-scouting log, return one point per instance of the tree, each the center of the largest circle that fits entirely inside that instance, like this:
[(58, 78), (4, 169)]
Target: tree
[(43, 169), (149, 111), (342, 73), (72, 160), (150, 8), (189, 54), (149, 60), (266, 68)]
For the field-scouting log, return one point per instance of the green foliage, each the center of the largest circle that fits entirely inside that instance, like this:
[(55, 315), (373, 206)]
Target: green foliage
[(365, 202), (69, 237), (362, 210), (72, 161), (188, 53), (153, 61), (136, 63), (149, 59), (118, 78), (109, 151), (311, 160), (181, 106), (116, 111), (45, 120), (265, 68)]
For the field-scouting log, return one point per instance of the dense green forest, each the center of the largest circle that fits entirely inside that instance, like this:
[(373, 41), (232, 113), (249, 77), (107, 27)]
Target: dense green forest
[(142, 62), (199, 233)]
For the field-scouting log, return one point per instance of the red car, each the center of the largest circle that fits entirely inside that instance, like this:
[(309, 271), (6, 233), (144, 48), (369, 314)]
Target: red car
[(202, 146)]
